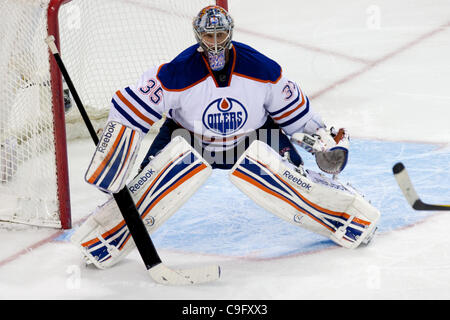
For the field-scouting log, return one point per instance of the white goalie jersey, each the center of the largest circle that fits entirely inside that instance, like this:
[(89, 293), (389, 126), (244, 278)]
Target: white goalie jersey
[(217, 113)]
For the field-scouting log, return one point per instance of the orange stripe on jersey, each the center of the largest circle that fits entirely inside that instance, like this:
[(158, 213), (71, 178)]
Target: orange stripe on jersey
[(133, 108), (287, 114), (259, 80), (232, 67), (210, 71)]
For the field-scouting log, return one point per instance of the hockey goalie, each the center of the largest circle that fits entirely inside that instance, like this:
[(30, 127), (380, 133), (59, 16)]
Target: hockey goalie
[(228, 107)]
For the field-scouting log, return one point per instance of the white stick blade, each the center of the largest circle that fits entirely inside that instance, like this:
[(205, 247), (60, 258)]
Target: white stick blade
[(163, 275), (404, 182)]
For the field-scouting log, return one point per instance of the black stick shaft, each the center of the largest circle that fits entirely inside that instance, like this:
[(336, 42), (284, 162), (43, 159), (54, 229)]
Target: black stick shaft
[(123, 198), (76, 97), (406, 186)]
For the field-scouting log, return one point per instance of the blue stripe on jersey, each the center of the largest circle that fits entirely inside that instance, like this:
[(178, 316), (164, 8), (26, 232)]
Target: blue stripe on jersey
[(288, 106), (143, 104), (128, 117), (300, 115)]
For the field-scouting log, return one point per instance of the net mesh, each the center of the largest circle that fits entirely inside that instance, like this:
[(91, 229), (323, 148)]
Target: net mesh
[(27, 163), (106, 45)]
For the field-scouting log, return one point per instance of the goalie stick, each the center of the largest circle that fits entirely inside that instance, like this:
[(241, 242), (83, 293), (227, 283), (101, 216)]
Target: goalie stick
[(157, 270), (404, 182)]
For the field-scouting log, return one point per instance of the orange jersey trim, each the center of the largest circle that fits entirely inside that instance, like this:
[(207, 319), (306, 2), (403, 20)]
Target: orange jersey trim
[(287, 114), (133, 108)]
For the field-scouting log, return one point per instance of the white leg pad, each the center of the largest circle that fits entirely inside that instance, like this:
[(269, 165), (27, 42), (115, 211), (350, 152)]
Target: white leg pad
[(307, 199), (164, 185)]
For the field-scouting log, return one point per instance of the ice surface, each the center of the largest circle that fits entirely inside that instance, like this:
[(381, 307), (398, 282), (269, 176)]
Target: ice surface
[(381, 70)]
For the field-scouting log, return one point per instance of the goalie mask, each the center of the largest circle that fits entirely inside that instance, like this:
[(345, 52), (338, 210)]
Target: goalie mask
[(213, 29)]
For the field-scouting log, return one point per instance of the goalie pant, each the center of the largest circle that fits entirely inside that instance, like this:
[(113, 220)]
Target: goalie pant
[(270, 133)]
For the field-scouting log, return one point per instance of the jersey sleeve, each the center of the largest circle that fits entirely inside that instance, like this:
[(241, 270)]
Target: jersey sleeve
[(288, 106), (141, 105)]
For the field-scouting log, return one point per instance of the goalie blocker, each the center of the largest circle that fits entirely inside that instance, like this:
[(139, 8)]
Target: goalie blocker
[(304, 198), (114, 157)]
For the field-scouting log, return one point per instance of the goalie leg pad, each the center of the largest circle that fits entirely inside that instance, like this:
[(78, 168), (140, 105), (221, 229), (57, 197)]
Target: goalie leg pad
[(160, 189), (307, 199), (114, 157)]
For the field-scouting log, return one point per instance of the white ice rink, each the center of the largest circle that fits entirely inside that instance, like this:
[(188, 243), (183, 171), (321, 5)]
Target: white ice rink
[(379, 68)]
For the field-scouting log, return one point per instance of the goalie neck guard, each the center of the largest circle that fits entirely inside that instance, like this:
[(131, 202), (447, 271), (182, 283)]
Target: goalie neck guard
[(213, 30)]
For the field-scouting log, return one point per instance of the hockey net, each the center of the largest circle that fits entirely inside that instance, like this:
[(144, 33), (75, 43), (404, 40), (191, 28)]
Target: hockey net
[(105, 45)]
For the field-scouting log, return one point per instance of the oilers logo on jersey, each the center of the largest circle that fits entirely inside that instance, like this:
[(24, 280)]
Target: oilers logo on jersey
[(225, 116)]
